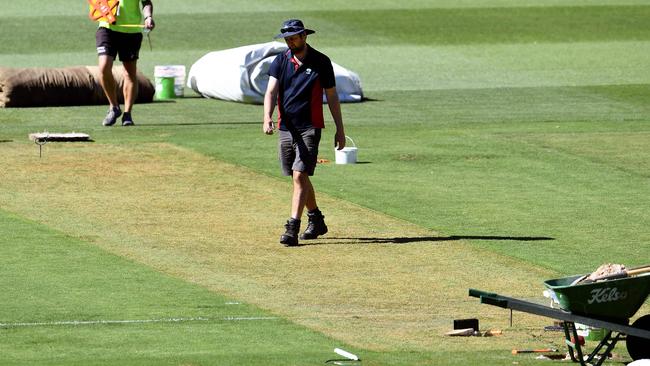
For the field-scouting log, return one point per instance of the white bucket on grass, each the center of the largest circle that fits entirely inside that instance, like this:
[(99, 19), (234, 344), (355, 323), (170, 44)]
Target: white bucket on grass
[(590, 333), (347, 155), (170, 71)]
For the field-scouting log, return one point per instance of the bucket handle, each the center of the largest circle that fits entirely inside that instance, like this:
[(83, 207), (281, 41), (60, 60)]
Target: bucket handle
[(350, 138)]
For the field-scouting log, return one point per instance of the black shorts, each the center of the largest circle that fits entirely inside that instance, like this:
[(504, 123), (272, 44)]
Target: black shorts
[(299, 151), (112, 43)]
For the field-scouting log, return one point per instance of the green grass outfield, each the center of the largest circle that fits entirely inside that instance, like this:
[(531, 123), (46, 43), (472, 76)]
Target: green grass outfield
[(68, 303), (510, 136)]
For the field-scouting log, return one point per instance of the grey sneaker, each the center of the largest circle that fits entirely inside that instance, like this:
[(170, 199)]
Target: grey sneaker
[(290, 236), (127, 120), (111, 116), (315, 226)]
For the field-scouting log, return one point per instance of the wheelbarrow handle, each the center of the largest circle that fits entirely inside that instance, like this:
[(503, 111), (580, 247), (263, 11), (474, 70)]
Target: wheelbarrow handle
[(489, 298)]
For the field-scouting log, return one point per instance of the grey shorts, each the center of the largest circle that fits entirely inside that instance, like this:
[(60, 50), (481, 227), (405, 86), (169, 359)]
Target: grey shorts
[(299, 151)]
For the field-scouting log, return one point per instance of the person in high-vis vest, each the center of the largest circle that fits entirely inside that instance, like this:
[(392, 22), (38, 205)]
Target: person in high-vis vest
[(123, 38)]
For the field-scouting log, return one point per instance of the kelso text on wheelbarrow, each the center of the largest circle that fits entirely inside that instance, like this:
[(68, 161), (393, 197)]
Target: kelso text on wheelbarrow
[(606, 294)]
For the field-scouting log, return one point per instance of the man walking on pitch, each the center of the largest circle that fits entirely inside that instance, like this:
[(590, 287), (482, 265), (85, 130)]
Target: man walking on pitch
[(123, 37), (297, 79)]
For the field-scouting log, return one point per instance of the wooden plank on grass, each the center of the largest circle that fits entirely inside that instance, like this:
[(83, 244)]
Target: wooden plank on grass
[(49, 136)]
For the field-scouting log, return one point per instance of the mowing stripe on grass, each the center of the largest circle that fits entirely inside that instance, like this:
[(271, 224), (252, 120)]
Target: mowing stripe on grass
[(47, 276), (137, 321), (406, 26)]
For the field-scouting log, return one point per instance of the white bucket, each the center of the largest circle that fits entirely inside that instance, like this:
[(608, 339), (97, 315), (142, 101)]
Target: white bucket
[(590, 333), (175, 71), (347, 155)]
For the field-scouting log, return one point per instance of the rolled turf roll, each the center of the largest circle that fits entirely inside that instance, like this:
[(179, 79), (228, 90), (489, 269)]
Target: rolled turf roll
[(69, 86)]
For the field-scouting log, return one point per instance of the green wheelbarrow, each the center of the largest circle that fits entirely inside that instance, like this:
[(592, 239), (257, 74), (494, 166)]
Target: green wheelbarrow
[(608, 305)]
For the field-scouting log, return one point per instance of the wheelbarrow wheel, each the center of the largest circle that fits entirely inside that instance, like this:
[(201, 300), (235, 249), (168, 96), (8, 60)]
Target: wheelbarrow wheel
[(637, 347)]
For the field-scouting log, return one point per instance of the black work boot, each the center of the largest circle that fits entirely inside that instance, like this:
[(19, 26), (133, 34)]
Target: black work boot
[(315, 226), (290, 236)]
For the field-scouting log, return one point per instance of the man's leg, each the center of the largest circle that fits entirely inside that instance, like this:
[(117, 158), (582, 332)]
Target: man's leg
[(108, 84), (130, 89), (298, 156), (107, 80), (303, 194)]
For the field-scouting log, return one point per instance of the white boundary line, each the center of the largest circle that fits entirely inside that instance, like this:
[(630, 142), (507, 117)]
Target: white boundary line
[(134, 321)]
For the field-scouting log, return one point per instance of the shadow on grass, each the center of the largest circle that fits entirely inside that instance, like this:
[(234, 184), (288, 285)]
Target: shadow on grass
[(162, 101), (420, 239), (198, 124)]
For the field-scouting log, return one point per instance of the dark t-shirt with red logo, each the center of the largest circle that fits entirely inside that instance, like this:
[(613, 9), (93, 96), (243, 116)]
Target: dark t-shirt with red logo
[(300, 96)]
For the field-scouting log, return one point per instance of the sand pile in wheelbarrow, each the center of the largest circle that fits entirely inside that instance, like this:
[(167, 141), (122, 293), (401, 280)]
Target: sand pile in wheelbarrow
[(606, 270), (611, 271)]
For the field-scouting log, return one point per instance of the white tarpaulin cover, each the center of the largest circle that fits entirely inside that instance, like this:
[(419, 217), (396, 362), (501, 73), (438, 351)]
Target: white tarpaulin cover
[(240, 74)]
